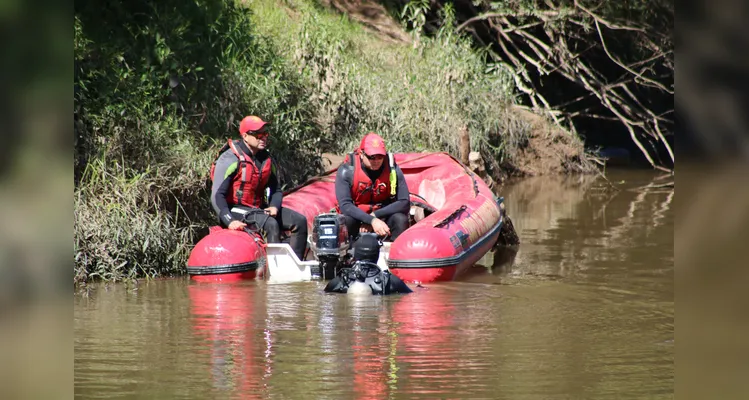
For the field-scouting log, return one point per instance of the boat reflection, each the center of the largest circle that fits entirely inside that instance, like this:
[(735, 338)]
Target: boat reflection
[(377, 345), (226, 316), (401, 344)]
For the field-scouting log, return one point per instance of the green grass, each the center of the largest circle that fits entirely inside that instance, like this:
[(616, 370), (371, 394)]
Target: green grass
[(417, 98)]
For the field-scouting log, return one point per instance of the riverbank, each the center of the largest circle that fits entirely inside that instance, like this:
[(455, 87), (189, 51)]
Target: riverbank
[(160, 86)]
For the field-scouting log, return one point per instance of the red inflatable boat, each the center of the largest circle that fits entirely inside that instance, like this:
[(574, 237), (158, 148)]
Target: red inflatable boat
[(456, 220), (227, 255)]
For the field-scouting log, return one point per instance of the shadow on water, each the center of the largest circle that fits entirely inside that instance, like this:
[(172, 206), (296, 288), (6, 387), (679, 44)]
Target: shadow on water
[(583, 308)]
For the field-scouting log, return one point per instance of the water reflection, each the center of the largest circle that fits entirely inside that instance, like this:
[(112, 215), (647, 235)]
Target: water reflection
[(365, 348), (373, 348), (582, 309), (427, 338), (224, 315), (585, 227), (396, 344)]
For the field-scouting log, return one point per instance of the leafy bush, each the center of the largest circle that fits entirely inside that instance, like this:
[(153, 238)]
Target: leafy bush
[(158, 87)]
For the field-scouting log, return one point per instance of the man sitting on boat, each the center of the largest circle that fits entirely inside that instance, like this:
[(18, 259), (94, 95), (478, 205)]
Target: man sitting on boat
[(371, 190), (245, 188)]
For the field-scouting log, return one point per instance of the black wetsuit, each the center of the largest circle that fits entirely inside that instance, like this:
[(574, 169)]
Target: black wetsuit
[(394, 213)]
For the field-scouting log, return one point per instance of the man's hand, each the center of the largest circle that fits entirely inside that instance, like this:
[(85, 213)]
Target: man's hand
[(272, 211), (365, 228), (380, 227), (237, 225)]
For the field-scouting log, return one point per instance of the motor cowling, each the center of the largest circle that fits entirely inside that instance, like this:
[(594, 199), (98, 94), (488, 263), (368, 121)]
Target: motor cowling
[(330, 236), (329, 243)]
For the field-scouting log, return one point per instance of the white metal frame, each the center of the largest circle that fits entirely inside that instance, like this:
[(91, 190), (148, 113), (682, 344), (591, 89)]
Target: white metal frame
[(283, 265)]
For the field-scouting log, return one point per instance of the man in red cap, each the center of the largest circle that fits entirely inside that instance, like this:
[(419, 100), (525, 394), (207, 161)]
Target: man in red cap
[(371, 190), (245, 188)]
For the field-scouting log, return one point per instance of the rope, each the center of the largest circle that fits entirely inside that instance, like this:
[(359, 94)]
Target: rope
[(450, 217), (256, 231)]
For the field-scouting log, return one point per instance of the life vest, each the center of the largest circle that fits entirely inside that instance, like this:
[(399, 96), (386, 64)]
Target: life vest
[(248, 185), (370, 196)]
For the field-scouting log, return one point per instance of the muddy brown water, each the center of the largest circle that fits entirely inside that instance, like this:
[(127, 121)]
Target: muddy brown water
[(583, 309)]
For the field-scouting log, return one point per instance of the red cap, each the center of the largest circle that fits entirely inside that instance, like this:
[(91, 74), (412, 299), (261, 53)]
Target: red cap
[(251, 123), (372, 144)]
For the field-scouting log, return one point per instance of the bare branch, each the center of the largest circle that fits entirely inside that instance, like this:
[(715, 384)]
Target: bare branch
[(621, 64), (545, 16), (481, 17), (608, 24), (651, 59), (575, 100), (657, 127), (550, 52), (583, 114), (515, 28)]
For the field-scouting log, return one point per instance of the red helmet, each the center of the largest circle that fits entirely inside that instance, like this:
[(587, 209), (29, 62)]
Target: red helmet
[(251, 123)]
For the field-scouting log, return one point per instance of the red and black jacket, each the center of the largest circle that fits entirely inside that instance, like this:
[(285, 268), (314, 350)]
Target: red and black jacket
[(249, 181)]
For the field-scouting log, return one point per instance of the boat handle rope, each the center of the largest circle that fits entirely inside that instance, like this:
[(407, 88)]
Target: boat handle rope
[(257, 230), (450, 217)]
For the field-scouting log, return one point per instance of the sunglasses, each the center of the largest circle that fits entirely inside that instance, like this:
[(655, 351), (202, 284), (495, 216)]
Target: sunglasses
[(258, 134), (374, 157)]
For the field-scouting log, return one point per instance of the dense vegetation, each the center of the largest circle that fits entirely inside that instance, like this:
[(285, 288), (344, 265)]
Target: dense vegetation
[(159, 86), (603, 68)]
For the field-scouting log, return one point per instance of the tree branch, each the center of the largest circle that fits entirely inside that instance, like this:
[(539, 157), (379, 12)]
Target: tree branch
[(621, 64), (607, 23), (550, 52)]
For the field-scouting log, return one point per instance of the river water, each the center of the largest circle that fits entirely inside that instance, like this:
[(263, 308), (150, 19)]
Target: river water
[(583, 309)]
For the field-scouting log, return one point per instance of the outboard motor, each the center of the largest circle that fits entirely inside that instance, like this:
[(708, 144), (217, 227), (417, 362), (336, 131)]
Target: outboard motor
[(365, 271), (330, 244)]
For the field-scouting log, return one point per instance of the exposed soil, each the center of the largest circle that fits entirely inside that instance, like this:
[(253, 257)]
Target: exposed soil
[(549, 150), (330, 161), (373, 16)]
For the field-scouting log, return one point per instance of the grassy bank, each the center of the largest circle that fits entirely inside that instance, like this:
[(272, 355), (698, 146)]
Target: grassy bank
[(418, 98), (160, 86)]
